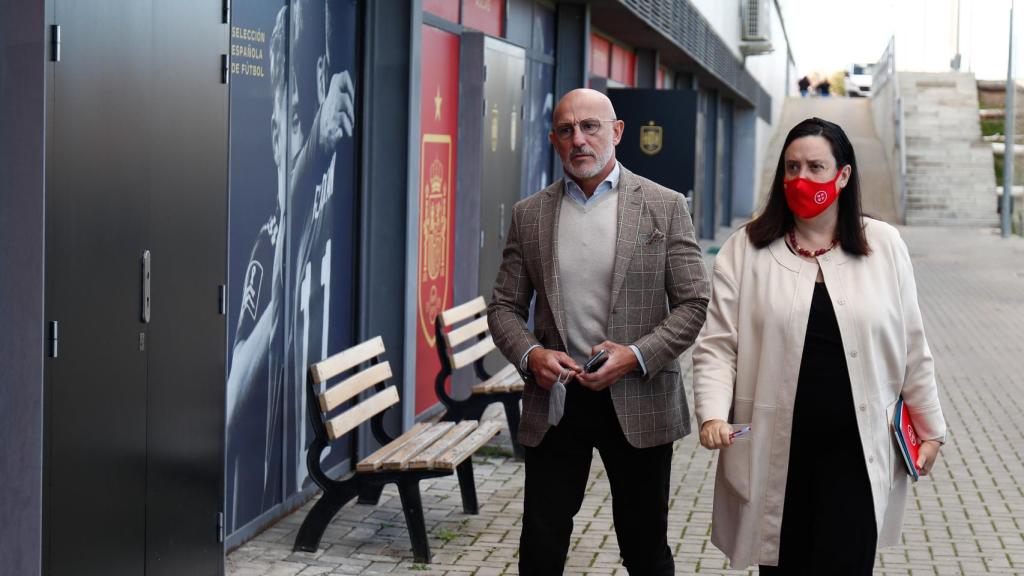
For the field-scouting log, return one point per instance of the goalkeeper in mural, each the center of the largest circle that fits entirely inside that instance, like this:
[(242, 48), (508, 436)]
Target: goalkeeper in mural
[(275, 307)]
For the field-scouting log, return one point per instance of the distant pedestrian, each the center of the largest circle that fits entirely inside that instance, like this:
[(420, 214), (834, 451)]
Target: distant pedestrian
[(823, 88), (805, 85), (813, 333)]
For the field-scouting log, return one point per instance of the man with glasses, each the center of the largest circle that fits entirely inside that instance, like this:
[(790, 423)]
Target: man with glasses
[(613, 263)]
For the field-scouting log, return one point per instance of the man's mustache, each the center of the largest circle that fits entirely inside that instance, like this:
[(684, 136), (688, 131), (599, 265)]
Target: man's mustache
[(582, 151)]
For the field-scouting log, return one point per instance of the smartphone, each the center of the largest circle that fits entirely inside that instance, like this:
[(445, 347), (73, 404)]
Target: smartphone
[(596, 361)]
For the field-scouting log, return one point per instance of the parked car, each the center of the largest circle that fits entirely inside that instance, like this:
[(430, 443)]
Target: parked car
[(858, 80)]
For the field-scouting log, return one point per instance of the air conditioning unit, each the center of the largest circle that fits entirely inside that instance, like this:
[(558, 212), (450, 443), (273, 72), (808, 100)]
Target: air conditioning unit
[(754, 19)]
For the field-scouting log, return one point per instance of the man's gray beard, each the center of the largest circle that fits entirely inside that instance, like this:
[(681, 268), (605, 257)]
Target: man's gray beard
[(599, 164)]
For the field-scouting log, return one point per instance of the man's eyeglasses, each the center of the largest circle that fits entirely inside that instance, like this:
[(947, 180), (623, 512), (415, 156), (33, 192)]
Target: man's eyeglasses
[(588, 126)]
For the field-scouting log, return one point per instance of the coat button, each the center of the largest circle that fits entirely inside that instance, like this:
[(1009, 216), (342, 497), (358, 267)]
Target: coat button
[(842, 301), (863, 407), (853, 353), (828, 258), (871, 458)]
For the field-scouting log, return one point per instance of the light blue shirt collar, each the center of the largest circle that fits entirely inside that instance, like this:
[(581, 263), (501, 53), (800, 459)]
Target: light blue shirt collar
[(576, 193)]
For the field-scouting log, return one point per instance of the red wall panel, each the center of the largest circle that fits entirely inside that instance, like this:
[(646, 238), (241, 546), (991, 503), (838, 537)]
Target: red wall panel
[(439, 112), (447, 9), (484, 15), (600, 55)]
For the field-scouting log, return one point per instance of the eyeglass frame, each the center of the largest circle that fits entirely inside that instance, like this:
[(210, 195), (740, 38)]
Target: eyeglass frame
[(573, 125)]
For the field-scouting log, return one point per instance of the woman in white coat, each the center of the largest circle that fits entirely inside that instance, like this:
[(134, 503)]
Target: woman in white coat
[(813, 333)]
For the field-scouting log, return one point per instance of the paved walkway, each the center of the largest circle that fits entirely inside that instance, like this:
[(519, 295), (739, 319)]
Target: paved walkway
[(968, 518)]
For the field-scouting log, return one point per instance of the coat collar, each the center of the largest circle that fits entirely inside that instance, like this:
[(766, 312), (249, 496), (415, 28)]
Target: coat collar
[(791, 261)]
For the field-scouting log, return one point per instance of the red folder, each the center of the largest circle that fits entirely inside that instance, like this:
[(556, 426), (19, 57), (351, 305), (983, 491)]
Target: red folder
[(906, 438)]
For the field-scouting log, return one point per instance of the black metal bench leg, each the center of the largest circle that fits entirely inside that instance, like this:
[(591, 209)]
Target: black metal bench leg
[(467, 485), (512, 415), (318, 519), (369, 493), (412, 505)]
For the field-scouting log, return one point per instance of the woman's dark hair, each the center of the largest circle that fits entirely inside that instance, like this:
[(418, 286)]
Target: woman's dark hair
[(777, 220)]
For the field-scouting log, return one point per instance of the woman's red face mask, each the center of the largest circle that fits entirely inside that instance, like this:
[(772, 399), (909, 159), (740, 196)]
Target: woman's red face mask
[(807, 198)]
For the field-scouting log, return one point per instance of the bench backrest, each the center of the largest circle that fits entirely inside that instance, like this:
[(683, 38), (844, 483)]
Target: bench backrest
[(337, 394), (466, 335)]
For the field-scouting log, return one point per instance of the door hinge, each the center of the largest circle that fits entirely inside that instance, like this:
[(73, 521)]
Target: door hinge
[(54, 337), (224, 69), (220, 526), (225, 12), (55, 43), (222, 299)]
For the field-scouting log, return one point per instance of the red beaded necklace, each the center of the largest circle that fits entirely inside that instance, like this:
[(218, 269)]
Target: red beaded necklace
[(807, 253)]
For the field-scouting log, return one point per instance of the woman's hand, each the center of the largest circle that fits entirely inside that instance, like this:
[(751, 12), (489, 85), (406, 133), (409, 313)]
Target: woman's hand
[(927, 456), (714, 434)]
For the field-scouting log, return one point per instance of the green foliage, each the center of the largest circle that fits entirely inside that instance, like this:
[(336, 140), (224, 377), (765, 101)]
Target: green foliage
[(990, 126), (494, 452), (447, 535)]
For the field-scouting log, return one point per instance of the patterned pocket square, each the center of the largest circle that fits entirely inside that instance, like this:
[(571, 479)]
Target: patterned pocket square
[(656, 236)]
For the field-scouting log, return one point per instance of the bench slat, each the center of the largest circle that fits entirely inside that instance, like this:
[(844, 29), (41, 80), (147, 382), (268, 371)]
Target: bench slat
[(356, 415), (373, 461), (502, 381), (350, 387), (425, 459), (463, 333), (463, 311), (354, 356), (473, 353), (400, 459), (458, 453)]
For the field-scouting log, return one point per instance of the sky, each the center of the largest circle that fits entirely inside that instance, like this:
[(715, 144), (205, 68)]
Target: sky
[(828, 35)]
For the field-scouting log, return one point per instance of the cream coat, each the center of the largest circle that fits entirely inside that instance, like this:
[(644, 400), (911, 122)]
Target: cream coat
[(747, 360)]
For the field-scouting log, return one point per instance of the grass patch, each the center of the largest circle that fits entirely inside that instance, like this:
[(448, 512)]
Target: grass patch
[(447, 535), (990, 126), (494, 452), (418, 567)]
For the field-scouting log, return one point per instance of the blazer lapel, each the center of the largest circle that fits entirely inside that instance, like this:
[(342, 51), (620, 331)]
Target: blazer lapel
[(550, 208), (630, 206)]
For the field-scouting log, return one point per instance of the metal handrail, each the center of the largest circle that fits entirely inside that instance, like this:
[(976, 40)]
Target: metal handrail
[(885, 71)]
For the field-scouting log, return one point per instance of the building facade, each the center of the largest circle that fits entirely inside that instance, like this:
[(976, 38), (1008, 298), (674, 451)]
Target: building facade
[(233, 191)]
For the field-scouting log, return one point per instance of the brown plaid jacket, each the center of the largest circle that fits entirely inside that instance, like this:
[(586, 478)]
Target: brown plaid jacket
[(659, 298)]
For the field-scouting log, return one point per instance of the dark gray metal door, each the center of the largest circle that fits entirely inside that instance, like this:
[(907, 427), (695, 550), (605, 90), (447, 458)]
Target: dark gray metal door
[(708, 201), (503, 152), (136, 171)]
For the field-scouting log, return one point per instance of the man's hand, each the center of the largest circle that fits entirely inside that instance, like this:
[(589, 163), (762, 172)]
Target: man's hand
[(547, 365), (337, 116), (621, 361), (714, 434), (927, 456)]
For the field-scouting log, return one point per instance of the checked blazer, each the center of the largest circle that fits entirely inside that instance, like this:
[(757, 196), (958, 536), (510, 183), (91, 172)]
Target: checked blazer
[(659, 297)]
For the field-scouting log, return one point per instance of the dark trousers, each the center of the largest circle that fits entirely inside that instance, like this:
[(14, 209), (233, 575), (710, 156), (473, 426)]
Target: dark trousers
[(556, 479)]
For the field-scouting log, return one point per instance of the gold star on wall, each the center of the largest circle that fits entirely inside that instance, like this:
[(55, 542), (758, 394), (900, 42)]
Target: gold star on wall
[(437, 104)]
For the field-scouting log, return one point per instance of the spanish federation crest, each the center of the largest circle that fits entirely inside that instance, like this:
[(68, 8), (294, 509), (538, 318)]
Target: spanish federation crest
[(435, 252), (650, 138)]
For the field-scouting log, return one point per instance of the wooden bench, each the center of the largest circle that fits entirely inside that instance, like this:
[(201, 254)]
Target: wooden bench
[(427, 450), (463, 340)]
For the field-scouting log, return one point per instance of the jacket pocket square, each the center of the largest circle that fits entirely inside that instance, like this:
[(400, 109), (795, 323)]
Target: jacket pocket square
[(656, 236)]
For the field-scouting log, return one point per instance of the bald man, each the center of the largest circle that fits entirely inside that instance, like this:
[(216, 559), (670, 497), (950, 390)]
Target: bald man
[(612, 261)]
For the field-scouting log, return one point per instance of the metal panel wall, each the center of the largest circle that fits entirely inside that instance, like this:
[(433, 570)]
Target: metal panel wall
[(21, 284)]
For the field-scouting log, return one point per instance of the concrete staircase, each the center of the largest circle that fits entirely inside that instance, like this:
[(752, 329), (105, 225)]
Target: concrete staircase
[(950, 178)]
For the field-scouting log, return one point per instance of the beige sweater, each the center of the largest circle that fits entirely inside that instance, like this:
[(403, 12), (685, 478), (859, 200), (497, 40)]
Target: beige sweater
[(586, 262), (747, 359)]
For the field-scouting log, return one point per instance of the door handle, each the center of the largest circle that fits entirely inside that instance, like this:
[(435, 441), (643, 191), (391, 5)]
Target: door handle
[(146, 264), (501, 221)]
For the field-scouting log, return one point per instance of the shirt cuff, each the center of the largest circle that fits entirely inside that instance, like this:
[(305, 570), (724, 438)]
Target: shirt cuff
[(639, 357), (522, 361)]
